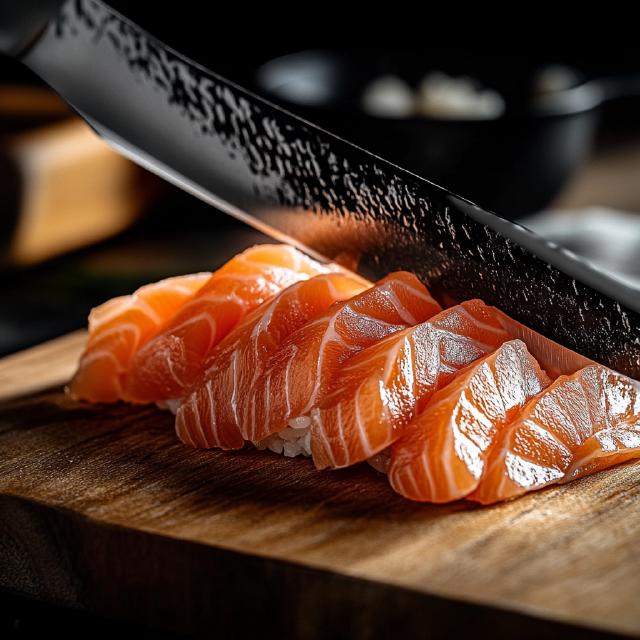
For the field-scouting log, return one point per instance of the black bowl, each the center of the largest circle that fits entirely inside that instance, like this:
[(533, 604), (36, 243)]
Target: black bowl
[(514, 164)]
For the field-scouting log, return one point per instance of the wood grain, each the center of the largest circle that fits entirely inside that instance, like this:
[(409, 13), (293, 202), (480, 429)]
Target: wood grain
[(101, 507), (41, 367)]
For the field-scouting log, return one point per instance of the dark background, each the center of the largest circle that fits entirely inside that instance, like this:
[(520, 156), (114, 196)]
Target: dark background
[(178, 234)]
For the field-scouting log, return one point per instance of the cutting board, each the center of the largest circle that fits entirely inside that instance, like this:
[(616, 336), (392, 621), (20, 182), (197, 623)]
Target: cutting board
[(101, 508)]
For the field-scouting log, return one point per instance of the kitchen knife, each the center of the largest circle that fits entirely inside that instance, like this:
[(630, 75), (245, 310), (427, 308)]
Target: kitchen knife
[(303, 185)]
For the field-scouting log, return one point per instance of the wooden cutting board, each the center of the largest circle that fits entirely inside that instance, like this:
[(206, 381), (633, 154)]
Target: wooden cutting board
[(101, 508)]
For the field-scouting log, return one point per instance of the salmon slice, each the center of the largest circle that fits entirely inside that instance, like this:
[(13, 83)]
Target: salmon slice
[(441, 455), (296, 378), (173, 361), (381, 389), (296, 375), (554, 358), (119, 327), (580, 424), (208, 417)]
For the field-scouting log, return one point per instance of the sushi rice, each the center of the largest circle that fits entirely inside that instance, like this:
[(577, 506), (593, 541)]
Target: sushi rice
[(294, 440)]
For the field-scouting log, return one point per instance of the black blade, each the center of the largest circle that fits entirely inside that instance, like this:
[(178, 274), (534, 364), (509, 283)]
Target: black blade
[(299, 183)]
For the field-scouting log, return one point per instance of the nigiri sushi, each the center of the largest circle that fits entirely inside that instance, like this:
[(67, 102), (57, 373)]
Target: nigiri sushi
[(381, 389), (298, 357), (208, 419), (441, 455), (271, 409), (121, 326), (170, 364), (580, 424)]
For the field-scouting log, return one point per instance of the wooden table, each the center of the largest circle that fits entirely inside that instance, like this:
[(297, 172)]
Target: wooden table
[(101, 508)]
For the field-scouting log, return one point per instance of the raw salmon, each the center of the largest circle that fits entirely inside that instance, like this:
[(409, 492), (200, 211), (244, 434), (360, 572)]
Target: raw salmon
[(119, 327), (208, 417), (441, 455), (555, 359), (381, 389), (295, 377), (580, 424), (172, 362)]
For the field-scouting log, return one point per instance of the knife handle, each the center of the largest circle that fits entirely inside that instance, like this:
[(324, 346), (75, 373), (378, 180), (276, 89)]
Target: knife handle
[(22, 21)]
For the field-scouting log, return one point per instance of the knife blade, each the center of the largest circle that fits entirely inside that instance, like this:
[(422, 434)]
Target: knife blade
[(306, 186)]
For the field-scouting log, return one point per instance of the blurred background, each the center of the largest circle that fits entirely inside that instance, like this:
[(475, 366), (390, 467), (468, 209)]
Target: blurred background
[(549, 137)]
